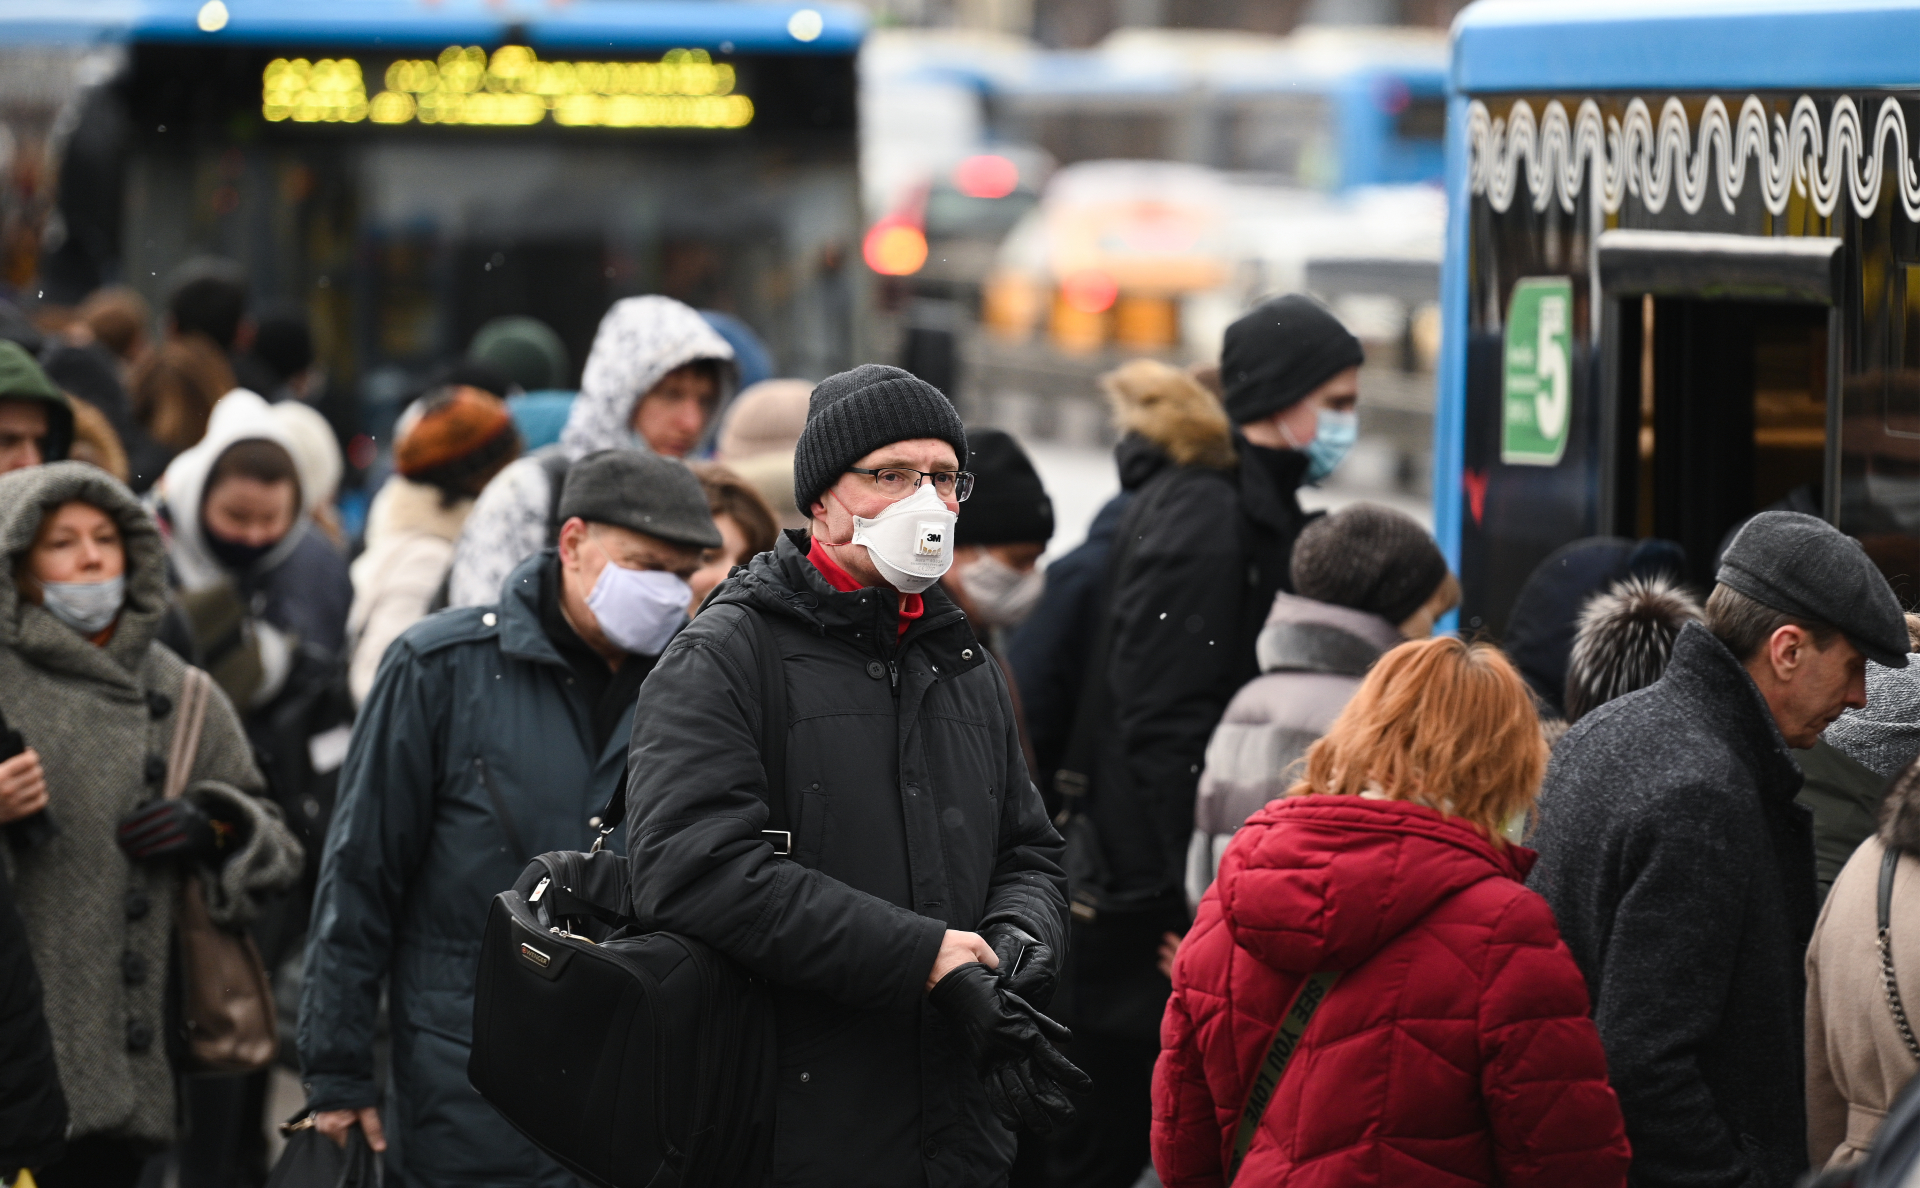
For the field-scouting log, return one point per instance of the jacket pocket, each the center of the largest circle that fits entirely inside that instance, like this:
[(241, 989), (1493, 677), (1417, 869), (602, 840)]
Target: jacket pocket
[(810, 831)]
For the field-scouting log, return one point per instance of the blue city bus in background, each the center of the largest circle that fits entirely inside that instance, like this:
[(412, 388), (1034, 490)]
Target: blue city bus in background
[(401, 171), (1682, 281)]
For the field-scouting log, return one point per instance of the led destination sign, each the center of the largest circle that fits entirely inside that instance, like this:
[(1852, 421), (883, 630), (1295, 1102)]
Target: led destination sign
[(512, 88)]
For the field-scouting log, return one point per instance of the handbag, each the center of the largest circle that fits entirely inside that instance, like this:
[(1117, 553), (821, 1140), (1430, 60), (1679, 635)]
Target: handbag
[(311, 1160), (226, 1004), (1884, 942), (633, 1058)]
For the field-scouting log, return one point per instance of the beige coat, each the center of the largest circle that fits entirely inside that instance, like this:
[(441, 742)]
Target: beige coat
[(1857, 1062), (410, 535)]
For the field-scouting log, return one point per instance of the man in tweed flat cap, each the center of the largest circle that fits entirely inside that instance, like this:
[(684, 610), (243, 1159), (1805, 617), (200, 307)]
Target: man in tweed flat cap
[(909, 912), (1682, 873)]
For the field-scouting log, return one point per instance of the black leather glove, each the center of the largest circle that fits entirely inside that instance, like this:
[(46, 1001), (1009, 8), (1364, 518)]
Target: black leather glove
[(1012, 1048), (1027, 965), (160, 830)]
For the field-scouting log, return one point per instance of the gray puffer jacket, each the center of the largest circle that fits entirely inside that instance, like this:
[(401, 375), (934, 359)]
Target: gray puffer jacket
[(1312, 657), (101, 719), (911, 813)]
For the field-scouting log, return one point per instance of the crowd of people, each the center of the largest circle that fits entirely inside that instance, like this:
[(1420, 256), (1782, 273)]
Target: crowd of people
[(1193, 852)]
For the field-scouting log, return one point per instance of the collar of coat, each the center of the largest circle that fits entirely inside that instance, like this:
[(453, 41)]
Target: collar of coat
[(521, 633), (1714, 684), (1268, 481), (1304, 635), (782, 581)]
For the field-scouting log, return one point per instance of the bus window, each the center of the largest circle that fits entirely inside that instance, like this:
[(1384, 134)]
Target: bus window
[(1289, 136)]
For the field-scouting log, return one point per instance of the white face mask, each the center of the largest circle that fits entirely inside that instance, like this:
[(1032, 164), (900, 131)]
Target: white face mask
[(639, 609), (87, 607), (911, 542), (1002, 594)]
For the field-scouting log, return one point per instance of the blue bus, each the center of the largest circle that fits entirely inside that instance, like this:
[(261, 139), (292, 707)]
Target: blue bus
[(404, 170), (1682, 280)]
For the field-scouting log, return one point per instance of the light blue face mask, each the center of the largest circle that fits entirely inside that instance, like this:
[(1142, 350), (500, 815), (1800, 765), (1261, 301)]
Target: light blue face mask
[(1333, 436), (87, 607)]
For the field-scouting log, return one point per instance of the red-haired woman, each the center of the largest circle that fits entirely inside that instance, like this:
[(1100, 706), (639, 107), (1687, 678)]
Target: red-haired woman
[(1454, 1046)]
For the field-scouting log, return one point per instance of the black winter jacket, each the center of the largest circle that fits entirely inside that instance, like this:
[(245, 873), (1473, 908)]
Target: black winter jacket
[(1199, 556), (33, 1110), (1682, 876), (911, 813)]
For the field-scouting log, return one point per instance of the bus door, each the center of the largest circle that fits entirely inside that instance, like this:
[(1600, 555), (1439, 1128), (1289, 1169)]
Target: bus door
[(1717, 390)]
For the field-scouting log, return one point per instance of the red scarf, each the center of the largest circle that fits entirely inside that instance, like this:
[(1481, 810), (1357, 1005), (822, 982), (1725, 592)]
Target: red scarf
[(912, 606)]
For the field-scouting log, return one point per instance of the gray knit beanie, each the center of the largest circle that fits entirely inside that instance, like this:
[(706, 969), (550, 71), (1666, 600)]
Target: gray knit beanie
[(854, 413), (1368, 558)]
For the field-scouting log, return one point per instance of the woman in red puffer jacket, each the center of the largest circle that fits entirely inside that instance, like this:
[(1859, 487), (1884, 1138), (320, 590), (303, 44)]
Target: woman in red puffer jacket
[(1455, 1047)]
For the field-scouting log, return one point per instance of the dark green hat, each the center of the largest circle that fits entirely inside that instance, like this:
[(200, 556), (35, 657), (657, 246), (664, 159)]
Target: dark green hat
[(22, 379)]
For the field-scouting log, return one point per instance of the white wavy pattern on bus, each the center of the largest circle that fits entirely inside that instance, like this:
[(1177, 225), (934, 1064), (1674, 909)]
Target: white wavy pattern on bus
[(1655, 161)]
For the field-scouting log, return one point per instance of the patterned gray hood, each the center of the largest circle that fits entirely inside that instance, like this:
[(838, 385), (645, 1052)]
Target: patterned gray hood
[(640, 340), (1885, 736)]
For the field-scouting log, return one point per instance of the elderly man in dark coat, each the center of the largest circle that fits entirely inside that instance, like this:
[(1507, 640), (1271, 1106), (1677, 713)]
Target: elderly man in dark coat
[(1682, 872), (920, 858)]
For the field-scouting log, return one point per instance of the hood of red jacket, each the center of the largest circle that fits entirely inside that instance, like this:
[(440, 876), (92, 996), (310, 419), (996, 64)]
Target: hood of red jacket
[(1323, 882)]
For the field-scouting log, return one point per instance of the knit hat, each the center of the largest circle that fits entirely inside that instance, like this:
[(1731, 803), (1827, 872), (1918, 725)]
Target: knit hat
[(1885, 735), (525, 350), (766, 418), (455, 439), (21, 379), (1805, 567), (1009, 503), (641, 492), (1368, 558), (854, 413), (1276, 355)]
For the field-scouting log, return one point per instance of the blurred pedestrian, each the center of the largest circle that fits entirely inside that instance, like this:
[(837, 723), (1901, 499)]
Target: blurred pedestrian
[(94, 441), (1862, 965), (265, 591), (33, 1110), (36, 419), (317, 458), (1365, 579), (208, 300), (85, 684), (173, 389), (89, 373), (120, 321), (1454, 1045), (525, 350), (745, 522), (1002, 533), (919, 858), (279, 361), (756, 441), (447, 446), (1682, 873), (1546, 612), (492, 734), (652, 380), (1199, 555)]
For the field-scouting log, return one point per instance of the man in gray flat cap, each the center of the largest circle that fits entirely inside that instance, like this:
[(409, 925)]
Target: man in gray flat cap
[(491, 734), (1682, 873)]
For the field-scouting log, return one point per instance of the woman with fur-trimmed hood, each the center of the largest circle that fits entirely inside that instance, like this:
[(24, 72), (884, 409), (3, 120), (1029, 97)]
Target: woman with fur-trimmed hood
[(655, 375), (93, 694), (1859, 1057)]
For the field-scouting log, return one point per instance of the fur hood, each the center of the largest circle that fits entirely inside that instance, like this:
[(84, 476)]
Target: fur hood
[(1170, 409), (1623, 638), (404, 508)]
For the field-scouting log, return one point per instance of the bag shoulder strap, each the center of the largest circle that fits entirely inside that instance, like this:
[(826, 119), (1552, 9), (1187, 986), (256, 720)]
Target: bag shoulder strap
[(189, 721), (1286, 1041), (1888, 864), (773, 743)]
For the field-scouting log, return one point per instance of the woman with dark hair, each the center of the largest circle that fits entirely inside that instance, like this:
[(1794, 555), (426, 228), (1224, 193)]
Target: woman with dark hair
[(746, 524), (1445, 1038), (93, 695)]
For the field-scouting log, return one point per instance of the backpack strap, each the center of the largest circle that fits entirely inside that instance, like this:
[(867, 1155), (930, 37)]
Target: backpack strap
[(1888, 864), (1286, 1041), (773, 746)]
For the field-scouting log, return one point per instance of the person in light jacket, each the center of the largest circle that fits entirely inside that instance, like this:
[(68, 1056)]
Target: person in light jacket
[(1367, 579), (1859, 1057)]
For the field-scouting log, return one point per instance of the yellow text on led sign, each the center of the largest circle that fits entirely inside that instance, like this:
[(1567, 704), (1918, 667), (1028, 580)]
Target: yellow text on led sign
[(684, 89)]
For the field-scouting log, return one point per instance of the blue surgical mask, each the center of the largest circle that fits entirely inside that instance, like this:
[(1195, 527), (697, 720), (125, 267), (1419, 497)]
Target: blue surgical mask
[(1333, 436), (87, 607)]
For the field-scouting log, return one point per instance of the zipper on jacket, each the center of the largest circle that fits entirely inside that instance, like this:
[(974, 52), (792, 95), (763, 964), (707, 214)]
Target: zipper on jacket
[(893, 676)]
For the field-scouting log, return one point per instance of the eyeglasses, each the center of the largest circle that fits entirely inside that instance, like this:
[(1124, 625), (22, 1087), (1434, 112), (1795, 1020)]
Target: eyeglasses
[(898, 481)]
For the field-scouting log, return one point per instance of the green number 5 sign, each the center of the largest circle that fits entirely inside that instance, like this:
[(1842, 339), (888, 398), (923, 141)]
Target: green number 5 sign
[(1536, 395)]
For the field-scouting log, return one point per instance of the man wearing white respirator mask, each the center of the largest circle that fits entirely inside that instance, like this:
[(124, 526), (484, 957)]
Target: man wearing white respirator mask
[(910, 911), (491, 734)]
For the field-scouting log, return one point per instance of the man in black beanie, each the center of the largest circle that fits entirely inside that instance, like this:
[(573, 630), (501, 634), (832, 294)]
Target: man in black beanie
[(909, 909), (1203, 548), (1681, 871)]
